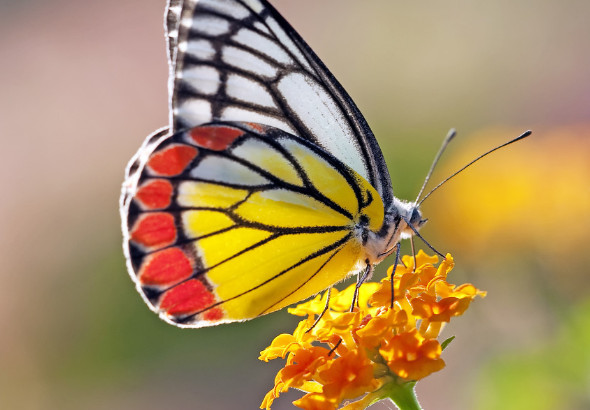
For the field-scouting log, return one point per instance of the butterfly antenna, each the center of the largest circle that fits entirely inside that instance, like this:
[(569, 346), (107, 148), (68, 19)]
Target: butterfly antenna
[(522, 136), (450, 135)]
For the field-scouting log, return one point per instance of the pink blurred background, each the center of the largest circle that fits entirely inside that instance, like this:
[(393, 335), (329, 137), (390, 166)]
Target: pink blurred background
[(84, 82)]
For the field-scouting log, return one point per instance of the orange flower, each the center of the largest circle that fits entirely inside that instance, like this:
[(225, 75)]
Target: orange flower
[(341, 324), (347, 376), (375, 351), (371, 334), (427, 307), (412, 357), (315, 401), (302, 365), (300, 368)]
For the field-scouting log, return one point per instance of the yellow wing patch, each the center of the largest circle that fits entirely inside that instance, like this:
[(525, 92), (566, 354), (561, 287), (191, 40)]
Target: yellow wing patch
[(204, 222), (346, 259), (288, 209), (219, 248), (194, 194), (275, 269), (324, 177), (266, 157)]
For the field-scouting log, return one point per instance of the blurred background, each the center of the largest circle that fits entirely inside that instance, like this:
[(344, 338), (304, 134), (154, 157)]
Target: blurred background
[(84, 82)]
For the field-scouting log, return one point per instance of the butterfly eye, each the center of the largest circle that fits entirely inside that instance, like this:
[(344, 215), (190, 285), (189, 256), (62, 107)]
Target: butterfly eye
[(416, 218)]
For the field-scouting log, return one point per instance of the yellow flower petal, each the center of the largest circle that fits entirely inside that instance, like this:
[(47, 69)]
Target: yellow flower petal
[(305, 362), (277, 348), (315, 401), (315, 306), (378, 327)]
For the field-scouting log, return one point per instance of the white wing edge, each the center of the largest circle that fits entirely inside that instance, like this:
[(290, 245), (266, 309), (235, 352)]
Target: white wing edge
[(132, 173)]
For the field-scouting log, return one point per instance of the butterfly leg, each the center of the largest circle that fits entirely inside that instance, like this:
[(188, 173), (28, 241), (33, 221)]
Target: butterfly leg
[(360, 280), (422, 238), (331, 352), (413, 252), (323, 311), (397, 252)]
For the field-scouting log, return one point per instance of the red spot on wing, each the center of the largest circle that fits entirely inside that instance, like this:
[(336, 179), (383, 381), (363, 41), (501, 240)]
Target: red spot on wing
[(156, 229), (256, 127), (187, 298), (216, 138), (172, 160), (155, 194), (213, 315), (165, 268)]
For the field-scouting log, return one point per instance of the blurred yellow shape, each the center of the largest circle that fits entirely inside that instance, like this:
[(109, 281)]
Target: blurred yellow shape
[(533, 196)]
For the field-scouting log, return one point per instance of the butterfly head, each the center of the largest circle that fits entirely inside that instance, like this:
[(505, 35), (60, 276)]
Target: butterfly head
[(406, 218), (412, 219), (401, 220)]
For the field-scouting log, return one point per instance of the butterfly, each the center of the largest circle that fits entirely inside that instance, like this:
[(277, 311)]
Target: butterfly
[(266, 187)]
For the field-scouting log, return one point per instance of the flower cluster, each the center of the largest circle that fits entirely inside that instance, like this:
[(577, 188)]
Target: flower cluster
[(374, 351)]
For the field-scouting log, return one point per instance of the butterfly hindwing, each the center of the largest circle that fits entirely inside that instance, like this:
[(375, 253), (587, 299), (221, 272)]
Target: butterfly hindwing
[(239, 60), (228, 221)]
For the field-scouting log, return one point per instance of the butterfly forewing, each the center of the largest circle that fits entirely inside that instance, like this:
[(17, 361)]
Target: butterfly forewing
[(226, 222), (239, 60)]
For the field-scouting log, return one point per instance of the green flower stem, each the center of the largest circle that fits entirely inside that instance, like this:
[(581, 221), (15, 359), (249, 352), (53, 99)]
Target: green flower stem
[(403, 395)]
